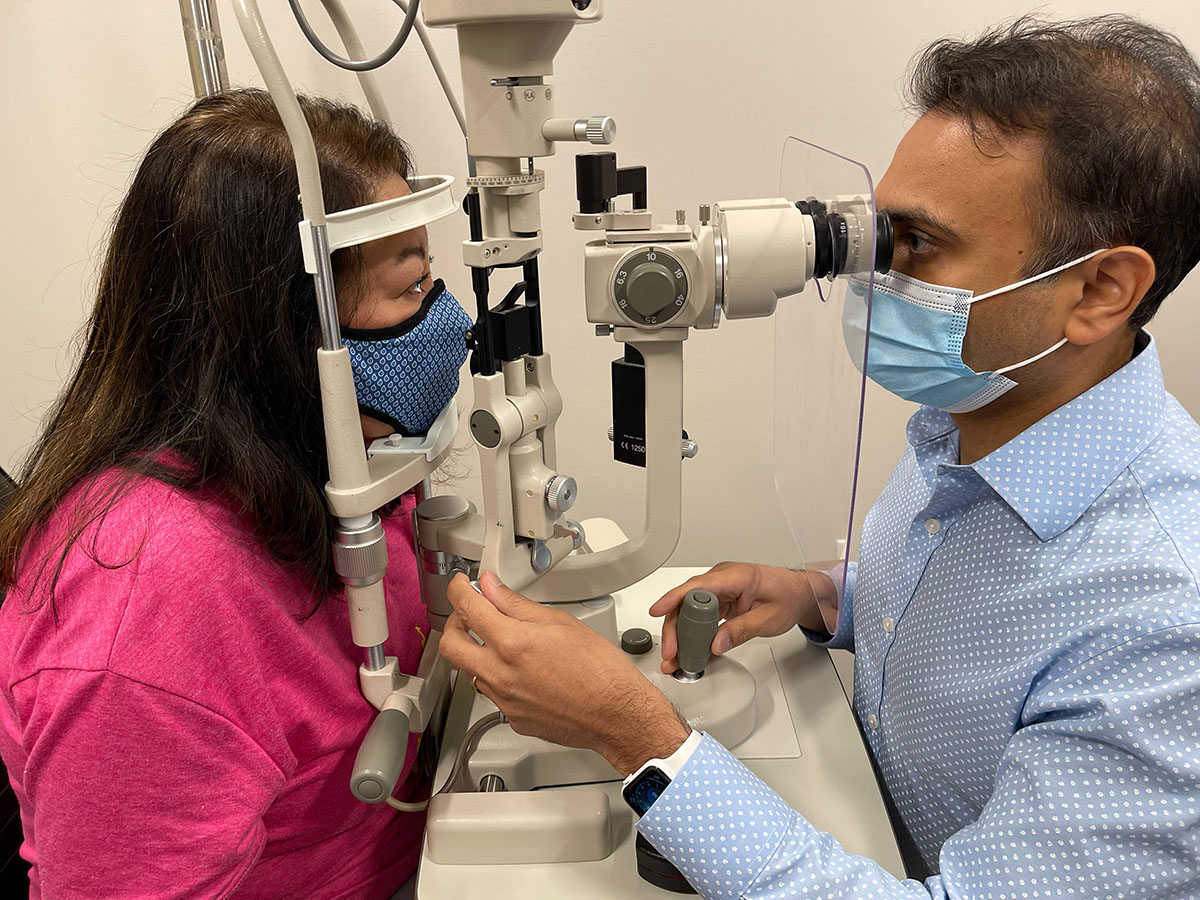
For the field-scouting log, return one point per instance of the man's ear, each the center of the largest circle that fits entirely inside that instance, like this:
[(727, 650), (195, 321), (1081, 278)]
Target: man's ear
[(1115, 282)]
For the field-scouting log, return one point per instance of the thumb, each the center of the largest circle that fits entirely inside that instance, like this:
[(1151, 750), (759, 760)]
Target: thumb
[(736, 631), (508, 601)]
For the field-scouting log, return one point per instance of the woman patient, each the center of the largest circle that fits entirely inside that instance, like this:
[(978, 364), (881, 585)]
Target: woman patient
[(180, 712)]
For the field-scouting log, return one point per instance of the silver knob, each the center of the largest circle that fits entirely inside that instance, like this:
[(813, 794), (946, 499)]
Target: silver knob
[(490, 784), (601, 130), (580, 534), (574, 531), (560, 492)]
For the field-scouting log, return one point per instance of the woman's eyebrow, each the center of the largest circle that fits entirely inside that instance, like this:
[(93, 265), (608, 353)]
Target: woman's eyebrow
[(416, 250)]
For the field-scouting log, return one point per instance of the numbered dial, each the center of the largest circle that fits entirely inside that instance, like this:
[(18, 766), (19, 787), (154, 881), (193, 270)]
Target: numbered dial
[(650, 286)]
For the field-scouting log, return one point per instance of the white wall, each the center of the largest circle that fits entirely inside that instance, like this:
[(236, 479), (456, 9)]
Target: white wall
[(704, 93)]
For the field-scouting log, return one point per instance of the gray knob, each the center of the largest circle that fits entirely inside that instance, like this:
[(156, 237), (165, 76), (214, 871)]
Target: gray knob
[(651, 289), (561, 492), (601, 130), (636, 641), (380, 757), (696, 627), (540, 557)]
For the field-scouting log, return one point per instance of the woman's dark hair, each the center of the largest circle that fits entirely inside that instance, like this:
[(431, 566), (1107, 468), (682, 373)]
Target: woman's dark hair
[(1117, 103), (199, 367)]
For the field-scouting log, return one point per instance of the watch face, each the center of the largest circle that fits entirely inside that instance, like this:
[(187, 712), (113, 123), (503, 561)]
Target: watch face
[(645, 789)]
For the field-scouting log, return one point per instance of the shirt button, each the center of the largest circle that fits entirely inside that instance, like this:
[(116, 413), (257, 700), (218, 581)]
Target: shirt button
[(933, 526), (889, 624), (872, 722)]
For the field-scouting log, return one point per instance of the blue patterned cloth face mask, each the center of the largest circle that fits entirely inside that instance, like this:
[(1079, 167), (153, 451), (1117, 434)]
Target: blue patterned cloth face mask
[(406, 374), (917, 331)]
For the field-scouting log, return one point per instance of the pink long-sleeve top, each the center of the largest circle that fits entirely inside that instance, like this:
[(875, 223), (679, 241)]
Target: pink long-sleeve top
[(182, 730)]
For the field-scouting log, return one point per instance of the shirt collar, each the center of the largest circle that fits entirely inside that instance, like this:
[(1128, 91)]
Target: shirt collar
[(1055, 469), (928, 424)]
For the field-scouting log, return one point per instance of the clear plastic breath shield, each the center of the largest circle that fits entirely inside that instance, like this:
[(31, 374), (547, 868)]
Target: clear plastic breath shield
[(820, 348)]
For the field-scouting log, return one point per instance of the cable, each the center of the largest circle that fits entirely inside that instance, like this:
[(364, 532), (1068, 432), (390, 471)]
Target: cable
[(473, 732), (365, 65), (309, 174), (440, 72), (408, 807), (354, 49)]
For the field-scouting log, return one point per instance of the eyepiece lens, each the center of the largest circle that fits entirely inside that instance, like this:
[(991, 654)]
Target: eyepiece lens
[(885, 241)]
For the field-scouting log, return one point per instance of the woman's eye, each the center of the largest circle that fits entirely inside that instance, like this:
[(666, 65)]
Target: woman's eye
[(417, 287)]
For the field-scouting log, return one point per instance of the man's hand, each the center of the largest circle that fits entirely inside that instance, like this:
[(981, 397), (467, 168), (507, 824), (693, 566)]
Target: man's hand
[(555, 678), (755, 601)]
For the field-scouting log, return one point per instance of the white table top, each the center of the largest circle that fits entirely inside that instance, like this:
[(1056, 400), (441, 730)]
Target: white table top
[(831, 781)]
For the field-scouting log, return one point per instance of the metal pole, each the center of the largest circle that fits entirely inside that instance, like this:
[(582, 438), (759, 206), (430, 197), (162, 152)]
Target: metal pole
[(206, 52), (375, 658), (331, 335)]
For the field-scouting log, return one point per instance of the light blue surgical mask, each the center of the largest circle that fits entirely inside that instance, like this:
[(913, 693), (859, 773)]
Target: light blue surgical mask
[(406, 374), (917, 331)]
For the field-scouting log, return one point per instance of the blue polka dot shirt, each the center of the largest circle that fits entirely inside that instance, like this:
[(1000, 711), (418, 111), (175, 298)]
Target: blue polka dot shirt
[(1027, 674)]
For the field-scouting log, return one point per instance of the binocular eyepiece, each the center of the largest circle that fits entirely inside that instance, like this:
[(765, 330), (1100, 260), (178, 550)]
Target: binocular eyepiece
[(835, 245)]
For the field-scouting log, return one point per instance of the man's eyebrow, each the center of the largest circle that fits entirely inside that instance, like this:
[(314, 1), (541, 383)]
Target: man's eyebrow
[(918, 216)]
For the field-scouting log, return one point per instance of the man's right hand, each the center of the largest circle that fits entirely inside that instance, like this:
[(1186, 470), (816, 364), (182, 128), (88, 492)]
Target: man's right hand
[(755, 601)]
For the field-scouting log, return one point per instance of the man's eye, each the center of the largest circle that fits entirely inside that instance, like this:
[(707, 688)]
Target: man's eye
[(917, 243)]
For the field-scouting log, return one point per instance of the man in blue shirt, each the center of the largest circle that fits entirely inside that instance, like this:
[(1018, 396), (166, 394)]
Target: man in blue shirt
[(1025, 611)]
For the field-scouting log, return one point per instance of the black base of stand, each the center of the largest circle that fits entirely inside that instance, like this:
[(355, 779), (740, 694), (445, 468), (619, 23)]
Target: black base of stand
[(656, 869)]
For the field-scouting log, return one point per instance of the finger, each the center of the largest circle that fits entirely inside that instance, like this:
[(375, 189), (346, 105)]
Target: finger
[(738, 630), (476, 611), (481, 686), (726, 580), (508, 601), (460, 649), (672, 598), (670, 639)]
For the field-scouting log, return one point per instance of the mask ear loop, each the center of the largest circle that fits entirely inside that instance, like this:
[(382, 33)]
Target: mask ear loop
[(1031, 359), (1021, 284), (1046, 274)]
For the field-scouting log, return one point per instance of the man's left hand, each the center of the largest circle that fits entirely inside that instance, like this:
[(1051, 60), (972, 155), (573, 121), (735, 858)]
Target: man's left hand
[(555, 678)]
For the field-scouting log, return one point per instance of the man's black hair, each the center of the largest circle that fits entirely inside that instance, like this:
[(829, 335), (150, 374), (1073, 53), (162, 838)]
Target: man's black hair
[(1117, 104)]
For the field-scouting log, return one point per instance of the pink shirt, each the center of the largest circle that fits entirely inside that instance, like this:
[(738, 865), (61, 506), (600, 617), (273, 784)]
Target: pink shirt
[(182, 731)]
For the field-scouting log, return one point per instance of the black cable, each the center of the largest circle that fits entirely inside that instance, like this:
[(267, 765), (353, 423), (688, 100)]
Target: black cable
[(365, 65)]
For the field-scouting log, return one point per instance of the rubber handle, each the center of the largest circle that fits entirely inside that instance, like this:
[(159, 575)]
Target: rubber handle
[(380, 757), (696, 627)]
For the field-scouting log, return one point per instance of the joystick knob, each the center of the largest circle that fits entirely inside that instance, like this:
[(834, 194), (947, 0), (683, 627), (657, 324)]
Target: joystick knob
[(696, 627)]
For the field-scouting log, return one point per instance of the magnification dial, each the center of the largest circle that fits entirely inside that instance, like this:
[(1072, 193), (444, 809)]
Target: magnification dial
[(650, 286)]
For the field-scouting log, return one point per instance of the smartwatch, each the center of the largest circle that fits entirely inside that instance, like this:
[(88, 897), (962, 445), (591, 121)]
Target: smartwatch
[(644, 786)]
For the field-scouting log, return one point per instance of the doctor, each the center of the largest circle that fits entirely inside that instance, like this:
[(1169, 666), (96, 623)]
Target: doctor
[(1025, 611)]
